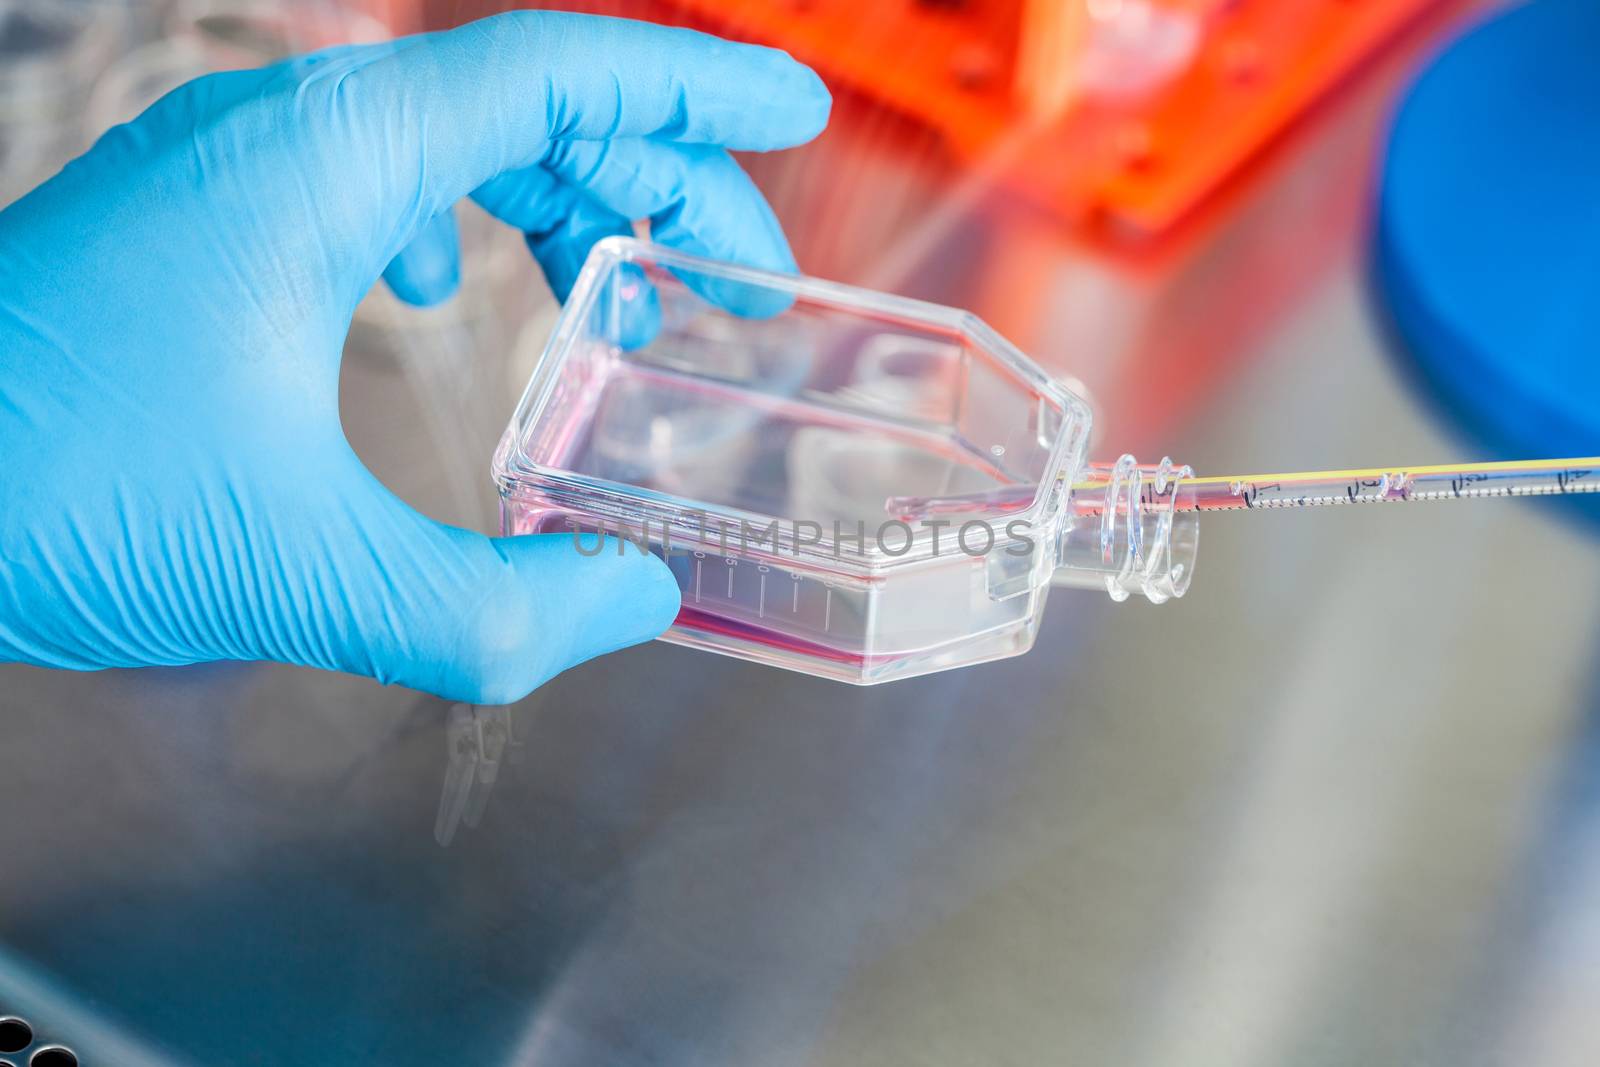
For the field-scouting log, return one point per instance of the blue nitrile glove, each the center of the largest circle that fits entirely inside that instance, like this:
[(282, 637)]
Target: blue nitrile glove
[(175, 486)]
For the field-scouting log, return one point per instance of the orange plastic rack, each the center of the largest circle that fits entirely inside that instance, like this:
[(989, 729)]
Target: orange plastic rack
[(1002, 80)]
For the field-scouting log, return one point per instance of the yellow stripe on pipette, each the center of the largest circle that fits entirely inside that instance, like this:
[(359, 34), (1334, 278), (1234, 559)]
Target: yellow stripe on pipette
[(1369, 473), (1363, 474)]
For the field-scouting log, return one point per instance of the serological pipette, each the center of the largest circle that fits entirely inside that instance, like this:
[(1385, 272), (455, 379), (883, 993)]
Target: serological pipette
[(1096, 488)]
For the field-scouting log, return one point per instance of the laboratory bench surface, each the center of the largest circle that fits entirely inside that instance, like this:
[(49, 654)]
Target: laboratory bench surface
[(1340, 805)]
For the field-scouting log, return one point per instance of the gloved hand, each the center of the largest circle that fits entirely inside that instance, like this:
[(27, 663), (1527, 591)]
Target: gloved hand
[(174, 483)]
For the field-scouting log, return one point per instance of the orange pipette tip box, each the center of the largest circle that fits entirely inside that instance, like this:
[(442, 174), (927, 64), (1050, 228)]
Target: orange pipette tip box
[(1071, 99)]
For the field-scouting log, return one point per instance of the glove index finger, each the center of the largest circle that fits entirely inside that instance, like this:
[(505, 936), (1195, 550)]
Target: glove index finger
[(614, 77), (429, 122), (489, 96)]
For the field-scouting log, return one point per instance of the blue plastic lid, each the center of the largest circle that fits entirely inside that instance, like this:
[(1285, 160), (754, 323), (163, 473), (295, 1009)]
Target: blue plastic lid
[(1488, 241)]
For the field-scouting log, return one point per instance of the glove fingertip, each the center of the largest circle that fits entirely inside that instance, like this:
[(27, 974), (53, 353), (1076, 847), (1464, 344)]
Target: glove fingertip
[(427, 271), (813, 105), (795, 110), (618, 596), (581, 596), (421, 291)]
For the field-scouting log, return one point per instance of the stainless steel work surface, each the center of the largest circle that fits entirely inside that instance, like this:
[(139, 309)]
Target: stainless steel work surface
[(1335, 807)]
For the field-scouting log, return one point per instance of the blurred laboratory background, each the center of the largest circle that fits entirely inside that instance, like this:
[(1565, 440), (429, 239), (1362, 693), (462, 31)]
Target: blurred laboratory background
[(1339, 805)]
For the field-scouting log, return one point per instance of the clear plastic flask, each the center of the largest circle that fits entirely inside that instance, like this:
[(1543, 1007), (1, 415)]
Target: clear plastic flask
[(763, 433)]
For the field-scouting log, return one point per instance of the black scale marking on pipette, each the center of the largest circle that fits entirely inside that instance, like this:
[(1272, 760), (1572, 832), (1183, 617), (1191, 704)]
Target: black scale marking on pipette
[(1469, 486), (1248, 500)]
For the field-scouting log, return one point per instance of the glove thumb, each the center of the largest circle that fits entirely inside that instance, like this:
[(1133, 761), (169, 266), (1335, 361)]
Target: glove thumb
[(485, 620)]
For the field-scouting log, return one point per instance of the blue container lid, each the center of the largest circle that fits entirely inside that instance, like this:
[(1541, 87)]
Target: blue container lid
[(1488, 235)]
